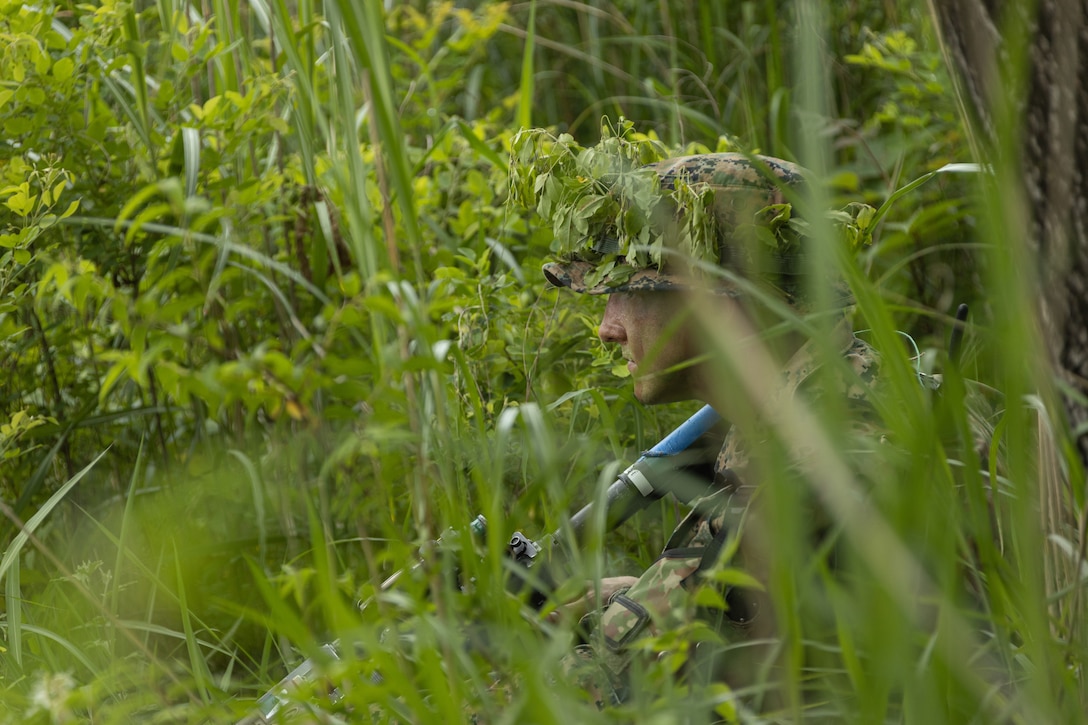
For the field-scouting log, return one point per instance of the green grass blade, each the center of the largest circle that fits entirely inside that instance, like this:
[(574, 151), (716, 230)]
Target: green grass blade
[(16, 546), (258, 501), (159, 584), (524, 118), (13, 596), (141, 115), (126, 528), (163, 631), (199, 668), (64, 642), (365, 31), (480, 146), (190, 143)]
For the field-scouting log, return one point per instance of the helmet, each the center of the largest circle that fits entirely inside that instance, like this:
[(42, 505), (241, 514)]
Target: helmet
[(727, 196)]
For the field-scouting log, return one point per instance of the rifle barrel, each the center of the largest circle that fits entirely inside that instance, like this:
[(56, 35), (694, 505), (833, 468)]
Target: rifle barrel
[(649, 478)]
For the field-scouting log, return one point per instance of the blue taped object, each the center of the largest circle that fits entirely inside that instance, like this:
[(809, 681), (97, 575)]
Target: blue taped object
[(682, 438)]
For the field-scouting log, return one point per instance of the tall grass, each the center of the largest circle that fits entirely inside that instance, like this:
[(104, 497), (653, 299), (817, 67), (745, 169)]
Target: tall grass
[(363, 359)]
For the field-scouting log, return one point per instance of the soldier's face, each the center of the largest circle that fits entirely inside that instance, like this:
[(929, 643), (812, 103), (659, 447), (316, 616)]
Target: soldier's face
[(653, 330)]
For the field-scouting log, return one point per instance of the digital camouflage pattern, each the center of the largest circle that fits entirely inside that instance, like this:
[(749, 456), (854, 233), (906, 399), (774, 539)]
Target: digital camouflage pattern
[(744, 188), (661, 600)]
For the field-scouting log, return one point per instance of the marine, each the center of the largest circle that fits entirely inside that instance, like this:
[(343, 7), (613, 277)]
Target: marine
[(669, 314)]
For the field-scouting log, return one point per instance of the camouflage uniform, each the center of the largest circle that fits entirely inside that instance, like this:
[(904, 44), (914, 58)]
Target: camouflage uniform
[(660, 601)]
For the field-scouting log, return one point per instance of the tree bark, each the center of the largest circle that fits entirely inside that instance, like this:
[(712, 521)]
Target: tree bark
[(1022, 69), (1051, 106)]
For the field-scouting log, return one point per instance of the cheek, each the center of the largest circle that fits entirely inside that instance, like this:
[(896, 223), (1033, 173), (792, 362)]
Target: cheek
[(674, 342), (658, 330), (684, 341)]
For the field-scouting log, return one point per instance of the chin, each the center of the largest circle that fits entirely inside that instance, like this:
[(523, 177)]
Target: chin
[(661, 395)]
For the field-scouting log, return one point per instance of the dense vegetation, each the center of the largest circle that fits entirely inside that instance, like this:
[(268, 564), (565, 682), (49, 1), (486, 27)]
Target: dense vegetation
[(270, 324)]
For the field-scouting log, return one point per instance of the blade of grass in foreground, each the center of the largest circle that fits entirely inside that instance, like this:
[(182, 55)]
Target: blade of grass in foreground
[(26, 534), (526, 87), (126, 527), (364, 28), (16, 546), (67, 644), (14, 598), (199, 668)]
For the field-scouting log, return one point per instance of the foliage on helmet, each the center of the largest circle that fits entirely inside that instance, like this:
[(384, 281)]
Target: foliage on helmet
[(604, 206)]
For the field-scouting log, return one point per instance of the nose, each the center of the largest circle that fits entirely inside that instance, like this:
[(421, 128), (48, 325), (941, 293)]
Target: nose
[(612, 329)]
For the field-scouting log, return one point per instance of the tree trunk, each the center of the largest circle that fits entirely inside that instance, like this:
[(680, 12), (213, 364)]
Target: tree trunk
[(1043, 100)]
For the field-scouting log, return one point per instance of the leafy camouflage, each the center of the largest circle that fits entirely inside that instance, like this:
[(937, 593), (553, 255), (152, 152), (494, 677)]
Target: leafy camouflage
[(750, 210), (573, 275)]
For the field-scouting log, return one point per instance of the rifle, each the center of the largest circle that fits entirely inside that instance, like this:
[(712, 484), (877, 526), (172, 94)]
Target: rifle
[(656, 473)]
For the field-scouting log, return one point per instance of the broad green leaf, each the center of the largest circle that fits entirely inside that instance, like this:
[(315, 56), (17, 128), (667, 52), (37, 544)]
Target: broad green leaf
[(63, 69)]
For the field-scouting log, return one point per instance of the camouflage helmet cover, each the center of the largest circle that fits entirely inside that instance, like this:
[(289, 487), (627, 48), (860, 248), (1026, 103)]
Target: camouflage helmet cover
[(742, 186)]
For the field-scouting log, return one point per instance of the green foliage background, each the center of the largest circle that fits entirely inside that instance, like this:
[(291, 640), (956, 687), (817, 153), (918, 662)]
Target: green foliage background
[(269, 325)]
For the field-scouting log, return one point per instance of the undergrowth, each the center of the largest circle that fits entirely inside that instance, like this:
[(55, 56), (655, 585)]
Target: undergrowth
[(271, 326)]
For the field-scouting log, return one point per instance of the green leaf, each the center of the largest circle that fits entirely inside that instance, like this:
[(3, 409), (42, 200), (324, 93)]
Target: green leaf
[(70, 210), (736, 578), (479, 146), (709, 597), (21, 203), (865, 217), (42, 61), (35, 96), (63, 69)]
